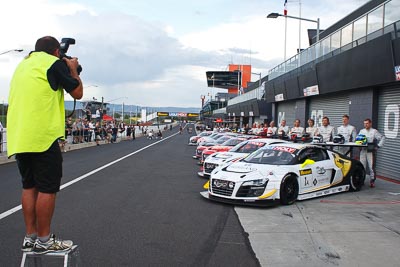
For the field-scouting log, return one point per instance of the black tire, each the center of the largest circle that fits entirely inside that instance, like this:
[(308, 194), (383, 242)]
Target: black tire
[(357, 178), (289, 189)]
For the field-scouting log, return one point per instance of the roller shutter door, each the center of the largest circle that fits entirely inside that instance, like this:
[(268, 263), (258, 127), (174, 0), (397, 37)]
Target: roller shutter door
[(388, 157), (286, 111), (334, 107)]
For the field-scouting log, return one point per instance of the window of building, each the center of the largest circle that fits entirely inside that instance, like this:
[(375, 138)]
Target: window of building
[(335, 41), (347, 34), (391, 15), (375, 20), (326, 46), (360, 28)]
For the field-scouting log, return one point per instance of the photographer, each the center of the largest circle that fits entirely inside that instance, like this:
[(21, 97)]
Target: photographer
[(37, 88)]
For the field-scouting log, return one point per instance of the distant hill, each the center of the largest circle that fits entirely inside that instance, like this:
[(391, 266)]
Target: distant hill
[(127, 108)]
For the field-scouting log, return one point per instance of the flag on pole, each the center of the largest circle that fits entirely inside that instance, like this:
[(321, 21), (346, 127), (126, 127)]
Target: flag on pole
[(285, 8)]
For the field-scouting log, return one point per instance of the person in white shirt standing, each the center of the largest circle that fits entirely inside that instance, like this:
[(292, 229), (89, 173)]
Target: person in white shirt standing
[(296, 132), (283, 130), (326, 130), (347, 131), (272, 130), (375, 140), (297, 129), (311, 129)]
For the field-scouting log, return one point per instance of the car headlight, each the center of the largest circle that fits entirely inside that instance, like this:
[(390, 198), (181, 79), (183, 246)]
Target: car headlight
[(258, 182)]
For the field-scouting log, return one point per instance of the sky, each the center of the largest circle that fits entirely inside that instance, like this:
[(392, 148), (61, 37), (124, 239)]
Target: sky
[(156, 53)]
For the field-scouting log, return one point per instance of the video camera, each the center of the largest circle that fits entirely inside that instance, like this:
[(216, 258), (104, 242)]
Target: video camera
[(64, 45)]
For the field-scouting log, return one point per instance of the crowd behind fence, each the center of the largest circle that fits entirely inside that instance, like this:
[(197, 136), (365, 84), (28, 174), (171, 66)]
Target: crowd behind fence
[(80, 131)]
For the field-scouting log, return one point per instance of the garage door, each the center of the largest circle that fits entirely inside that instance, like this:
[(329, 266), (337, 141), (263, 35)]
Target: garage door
[(334, 107), (388, 157), (286, 111)]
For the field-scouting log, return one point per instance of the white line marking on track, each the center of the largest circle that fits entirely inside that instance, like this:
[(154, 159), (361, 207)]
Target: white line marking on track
[(19, 207)]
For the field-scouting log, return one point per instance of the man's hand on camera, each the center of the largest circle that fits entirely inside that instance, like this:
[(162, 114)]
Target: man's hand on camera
[(72, 64)]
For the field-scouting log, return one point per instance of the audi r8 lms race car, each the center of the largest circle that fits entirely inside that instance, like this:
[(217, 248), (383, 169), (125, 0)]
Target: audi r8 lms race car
[(284, 172), (239, 151), (193, 139)]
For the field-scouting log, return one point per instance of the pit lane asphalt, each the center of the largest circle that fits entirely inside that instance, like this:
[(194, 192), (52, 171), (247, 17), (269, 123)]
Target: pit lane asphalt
[(144, 210)]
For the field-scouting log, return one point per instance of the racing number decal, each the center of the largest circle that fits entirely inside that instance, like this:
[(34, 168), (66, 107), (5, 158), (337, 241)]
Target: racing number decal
[(343, 164)]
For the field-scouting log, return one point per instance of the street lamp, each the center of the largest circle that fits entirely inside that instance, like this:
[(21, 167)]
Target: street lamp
[(12, 50), (275, 15)]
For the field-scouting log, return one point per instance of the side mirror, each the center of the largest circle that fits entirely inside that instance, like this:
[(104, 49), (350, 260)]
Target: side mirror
[(307, 162)]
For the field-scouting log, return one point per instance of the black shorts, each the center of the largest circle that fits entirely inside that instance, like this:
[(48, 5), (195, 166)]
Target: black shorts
[(42, 170)]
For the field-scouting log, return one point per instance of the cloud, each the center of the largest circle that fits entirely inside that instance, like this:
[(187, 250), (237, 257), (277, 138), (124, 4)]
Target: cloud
[(128, 55)]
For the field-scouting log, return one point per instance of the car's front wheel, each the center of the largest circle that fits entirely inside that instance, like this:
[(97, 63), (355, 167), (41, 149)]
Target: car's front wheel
[(357, 178), (289, 189)]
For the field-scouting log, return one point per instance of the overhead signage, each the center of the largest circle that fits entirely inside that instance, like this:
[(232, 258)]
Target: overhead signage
[(177, 114), (279, 97), (311, 90), (182, 114), (397, 72)]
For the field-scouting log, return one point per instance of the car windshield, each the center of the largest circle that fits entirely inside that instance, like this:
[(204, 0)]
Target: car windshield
[(232, 142), (222, 139), (271, 156), (247, 147), (204, 134)]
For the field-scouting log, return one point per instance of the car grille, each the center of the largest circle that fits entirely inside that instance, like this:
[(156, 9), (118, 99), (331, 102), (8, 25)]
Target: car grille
[(209, 167), (221, 187)]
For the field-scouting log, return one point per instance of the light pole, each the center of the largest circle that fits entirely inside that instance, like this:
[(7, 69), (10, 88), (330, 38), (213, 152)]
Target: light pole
[(123, 97), (202, 97), (275, 15), (12, 50)]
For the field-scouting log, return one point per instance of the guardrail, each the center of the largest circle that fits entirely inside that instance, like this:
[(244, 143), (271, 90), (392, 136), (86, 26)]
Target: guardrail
[(320, 51)]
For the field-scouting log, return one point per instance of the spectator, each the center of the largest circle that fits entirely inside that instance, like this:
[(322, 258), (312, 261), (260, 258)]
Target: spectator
[(1, 137), (114, 133), (97, 133), (133, 132), (98, 115), (150, 135), (375, 140), (128, 131), (88, 114), (159, 134)]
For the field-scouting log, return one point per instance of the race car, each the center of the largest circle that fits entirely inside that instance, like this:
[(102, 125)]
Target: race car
[(220, 139), (227, 145), (239, 151), (193, 139), (285, 172)]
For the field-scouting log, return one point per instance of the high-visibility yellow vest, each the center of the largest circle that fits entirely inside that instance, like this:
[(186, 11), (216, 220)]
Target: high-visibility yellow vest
[(36, 115)]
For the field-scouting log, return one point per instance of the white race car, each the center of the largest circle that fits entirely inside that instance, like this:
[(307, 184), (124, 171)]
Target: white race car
[(234, 154), (286, 173)]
